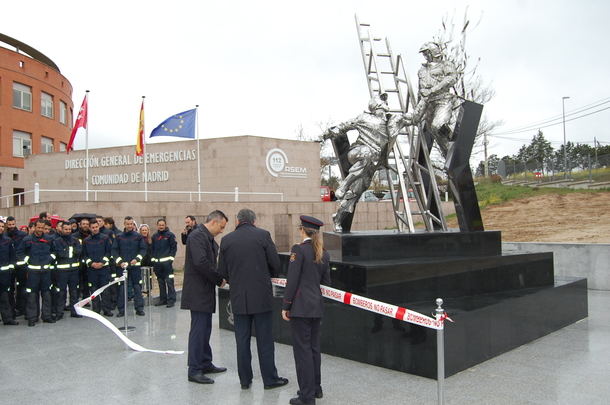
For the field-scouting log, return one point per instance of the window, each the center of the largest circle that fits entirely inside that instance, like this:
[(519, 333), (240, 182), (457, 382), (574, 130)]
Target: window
[(62, 147), (15, 176), (46, 104), (46, 145), (63, 110), (22, 96), (22, 144)]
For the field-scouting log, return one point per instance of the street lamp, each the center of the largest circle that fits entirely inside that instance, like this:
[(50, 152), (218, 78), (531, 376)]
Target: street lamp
[(565, 153)]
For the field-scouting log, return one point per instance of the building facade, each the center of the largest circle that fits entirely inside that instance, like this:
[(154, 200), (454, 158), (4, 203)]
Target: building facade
[(35, 111)]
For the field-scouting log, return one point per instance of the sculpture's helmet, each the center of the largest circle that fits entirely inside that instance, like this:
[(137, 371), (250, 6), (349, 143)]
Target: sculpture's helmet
[(431, 47), (379, 103)]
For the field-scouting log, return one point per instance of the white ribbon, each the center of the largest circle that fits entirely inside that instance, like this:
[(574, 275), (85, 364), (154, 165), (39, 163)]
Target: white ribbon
[(90, 314)]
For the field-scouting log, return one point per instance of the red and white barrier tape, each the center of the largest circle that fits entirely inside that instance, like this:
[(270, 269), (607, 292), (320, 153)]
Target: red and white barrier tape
[(377, 307), (91, 314)]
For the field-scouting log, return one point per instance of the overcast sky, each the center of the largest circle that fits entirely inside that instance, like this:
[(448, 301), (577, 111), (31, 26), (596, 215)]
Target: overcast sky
[(267, 68)]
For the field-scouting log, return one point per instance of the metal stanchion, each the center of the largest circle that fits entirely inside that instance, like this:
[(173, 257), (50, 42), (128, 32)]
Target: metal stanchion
[(440, 353), (125, 328), (147, 277)]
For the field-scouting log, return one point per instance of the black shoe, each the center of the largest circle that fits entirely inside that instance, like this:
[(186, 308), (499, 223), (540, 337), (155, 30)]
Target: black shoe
[(319, 394), (31, 323), (120, 314), (200, 379), (108, 313), (160, 303), (75, 316), (139, 312), (246, 386), (50, 320), (170, 304), (59, 317), (11, 322), (213, 369), (299, 401), (280, 382)]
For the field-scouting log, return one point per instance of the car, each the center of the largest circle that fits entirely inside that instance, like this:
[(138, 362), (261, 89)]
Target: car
[(368, 195), (327, 194), (388, 197)]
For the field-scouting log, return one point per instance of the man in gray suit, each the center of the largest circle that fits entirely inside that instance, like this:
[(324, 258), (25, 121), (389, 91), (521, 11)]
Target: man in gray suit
[(248, 259)]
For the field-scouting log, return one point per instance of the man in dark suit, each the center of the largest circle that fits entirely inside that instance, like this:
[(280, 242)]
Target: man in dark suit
[(248, 259), (199, 294)]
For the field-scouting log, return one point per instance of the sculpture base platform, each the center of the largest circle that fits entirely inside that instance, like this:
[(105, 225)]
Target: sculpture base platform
[(498, 302)]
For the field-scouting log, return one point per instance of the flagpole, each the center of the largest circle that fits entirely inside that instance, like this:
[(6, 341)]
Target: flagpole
[(198, 157), (87, 150), (144, 155)]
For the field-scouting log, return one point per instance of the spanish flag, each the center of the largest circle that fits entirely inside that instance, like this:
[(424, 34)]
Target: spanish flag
[(140, 139)]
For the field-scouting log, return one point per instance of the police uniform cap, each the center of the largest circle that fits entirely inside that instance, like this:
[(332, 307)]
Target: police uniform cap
[(310, 222)]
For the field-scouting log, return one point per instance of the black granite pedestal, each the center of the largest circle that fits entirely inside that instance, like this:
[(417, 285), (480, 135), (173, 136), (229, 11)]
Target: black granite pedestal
[(498, 302)]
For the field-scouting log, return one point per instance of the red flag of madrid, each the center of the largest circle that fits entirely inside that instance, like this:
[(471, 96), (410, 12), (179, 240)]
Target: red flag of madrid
[(140, 139), (81, 122)]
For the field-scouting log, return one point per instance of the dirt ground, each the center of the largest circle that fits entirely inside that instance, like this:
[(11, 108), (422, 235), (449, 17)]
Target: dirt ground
[(575, 217)]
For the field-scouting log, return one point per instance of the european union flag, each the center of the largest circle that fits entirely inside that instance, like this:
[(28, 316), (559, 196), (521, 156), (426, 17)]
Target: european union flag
[(181, 125)]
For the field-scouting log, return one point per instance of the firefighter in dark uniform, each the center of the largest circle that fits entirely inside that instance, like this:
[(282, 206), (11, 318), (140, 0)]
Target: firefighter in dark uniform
[(81, 233), (39, 258), (7, 264), (68, 250), (302, 306), (96, 254), (19, 274), (113, 291), (163, 252), (128, 251)]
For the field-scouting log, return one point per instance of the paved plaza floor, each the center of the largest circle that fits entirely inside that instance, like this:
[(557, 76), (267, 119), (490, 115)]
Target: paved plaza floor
[(80, 361)]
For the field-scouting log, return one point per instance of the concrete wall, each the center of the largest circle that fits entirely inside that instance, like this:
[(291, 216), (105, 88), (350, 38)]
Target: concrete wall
[(573, 259), (226, 163)]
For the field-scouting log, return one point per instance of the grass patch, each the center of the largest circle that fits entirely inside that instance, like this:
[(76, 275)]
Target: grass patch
[(489, 193)]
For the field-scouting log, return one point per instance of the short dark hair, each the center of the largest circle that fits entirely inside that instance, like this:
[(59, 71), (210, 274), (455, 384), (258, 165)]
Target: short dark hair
[(84, 219), (128, 218), (246, 215), (40, 221), (161, 220), (11, 218), (191, 217), (100, 217), (216, 215), (43, 214), (109, 220), (47, 222)]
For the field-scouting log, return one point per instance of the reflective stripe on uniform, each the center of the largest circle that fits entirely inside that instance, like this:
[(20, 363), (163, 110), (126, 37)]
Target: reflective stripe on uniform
[(63, 266), (139, 257), (53, 256), (7, 267), (118, 259), (28, 290), (77, 264), (26, 259), (170, 276), (165, 259), (88, 262), (70, 252)]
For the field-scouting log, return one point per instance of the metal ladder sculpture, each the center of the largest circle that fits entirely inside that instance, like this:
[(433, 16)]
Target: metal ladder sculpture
[(385, 73)]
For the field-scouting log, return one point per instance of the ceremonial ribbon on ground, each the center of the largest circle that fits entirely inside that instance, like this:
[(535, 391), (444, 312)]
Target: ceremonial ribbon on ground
[(377, 307), (79, 307)]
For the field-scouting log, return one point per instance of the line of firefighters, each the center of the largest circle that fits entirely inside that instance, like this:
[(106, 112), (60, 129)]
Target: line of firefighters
[(49, 265)]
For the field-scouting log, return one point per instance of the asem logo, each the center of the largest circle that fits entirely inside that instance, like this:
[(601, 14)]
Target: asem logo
[(277, 165)]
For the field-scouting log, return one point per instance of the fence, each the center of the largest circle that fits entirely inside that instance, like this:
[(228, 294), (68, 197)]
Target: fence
[(34, 196), (588, 167)]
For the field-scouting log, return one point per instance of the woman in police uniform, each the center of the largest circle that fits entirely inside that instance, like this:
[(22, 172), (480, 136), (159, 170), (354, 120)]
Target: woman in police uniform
[(302, 306)]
